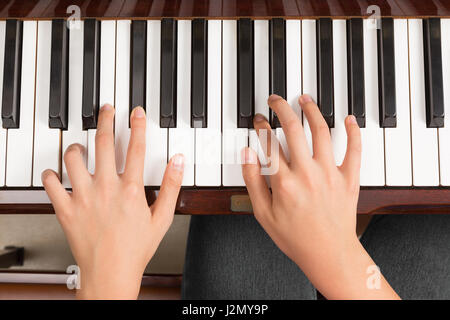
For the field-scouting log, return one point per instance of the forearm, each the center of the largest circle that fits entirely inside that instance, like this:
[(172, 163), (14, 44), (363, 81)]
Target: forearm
[(347, 273)]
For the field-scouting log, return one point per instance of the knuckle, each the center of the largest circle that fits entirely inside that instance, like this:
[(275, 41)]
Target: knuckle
[(138, 146), (356, 147), (286, 185), (249, 173), (292, 125), (322, 129), (102, 137), (132, 188), (173, 180)]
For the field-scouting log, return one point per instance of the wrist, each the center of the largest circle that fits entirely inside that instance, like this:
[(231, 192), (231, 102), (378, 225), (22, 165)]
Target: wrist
[(109, 283), (343, 272)]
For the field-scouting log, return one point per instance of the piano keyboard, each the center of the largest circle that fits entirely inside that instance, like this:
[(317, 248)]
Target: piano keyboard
[(202, 81)]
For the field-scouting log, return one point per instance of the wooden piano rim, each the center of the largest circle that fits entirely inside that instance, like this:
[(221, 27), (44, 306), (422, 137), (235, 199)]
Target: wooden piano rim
[(210, 201), (229, 18), (51, 9)]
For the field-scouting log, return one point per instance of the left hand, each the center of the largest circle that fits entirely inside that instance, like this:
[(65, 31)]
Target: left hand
[(112, 231)]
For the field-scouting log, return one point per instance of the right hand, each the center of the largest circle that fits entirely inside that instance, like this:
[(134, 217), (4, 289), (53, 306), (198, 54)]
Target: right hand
[(311, 212)]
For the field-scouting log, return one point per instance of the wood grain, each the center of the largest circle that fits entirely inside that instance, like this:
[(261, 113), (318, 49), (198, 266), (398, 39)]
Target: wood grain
[(47, 9), (205, 201)]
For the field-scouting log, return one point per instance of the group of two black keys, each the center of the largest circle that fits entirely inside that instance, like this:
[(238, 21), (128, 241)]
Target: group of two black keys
[(58, 109)]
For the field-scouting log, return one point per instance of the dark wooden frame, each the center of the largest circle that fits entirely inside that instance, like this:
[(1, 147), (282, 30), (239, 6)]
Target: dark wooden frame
[(46, 9)]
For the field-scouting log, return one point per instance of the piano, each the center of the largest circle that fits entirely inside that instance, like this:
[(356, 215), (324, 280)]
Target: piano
[(203, 68)]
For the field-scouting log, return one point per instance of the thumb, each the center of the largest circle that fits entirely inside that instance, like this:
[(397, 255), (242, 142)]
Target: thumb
[(258, 191), (164, 206)]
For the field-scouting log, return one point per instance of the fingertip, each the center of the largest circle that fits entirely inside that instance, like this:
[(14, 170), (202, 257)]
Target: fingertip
[(248, 156), (138, 113), (46, 174), (106, 107), (304, 99), (273, 98), (351, 120), (177, 162)]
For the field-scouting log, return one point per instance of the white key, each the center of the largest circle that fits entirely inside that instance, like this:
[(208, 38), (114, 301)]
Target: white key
[(107, 70), (424, 140), (74, 132), (156, 139), (47, 141), (122, 130), (3, 132), (19, 160), (309, 68), (372, 137), (261, 61), (444, 133), (261, 66), (182, 138), (338, 133), (293, 73), (256, 144), (234, 138), (398, 140), (208, 141)]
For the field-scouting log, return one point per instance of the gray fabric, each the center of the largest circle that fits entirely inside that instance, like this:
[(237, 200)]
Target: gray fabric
[(231, 257), (413, 253)]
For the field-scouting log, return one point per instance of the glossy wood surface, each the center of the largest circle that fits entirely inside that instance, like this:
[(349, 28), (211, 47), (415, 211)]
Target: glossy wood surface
[(205, 201), (46, 9)]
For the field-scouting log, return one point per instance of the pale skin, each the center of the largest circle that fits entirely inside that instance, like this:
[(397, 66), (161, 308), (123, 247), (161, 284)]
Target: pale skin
[(310, 213)]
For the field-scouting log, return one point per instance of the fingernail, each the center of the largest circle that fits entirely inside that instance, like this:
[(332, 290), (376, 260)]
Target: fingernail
[(178, 162), (304, 99), (247, 157), (44, 174), (352, 119), (273, 98), (259, 118), (138, 112), (106, 107)]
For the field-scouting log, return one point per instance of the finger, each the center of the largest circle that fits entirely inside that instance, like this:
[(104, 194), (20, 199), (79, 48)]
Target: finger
[(104, 141), (134, 167), (352, 160), (164, 206), (273, 155), (256, 184), (59, 197), (292, 128), (76, 166), (321, 139)]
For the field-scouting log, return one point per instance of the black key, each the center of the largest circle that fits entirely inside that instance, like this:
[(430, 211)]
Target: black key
[(12, 74), (277, 63), (355, 74), (168, 107), (433, 72), (386, 74), (325, 81), (59, 76), (198, 73), (138, 69), (245, 63), (91, 73)]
